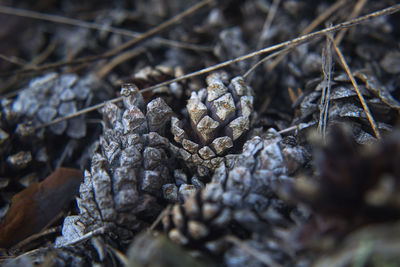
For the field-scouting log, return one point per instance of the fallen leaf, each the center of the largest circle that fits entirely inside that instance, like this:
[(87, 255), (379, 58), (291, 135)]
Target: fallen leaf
[(33, 208)]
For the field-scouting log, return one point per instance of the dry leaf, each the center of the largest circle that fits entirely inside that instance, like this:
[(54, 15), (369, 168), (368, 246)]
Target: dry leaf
[(33, 208)]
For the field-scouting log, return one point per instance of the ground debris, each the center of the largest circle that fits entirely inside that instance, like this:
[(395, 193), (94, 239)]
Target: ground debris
[(218, 158)]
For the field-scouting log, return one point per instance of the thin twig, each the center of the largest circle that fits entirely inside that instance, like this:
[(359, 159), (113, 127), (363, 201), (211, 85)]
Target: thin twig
[(297, 127), (261, 256), (353, 81), (296, 41), (355, 13), (80, 112), (33, 237), (120, 48), (13, 60), (98, 231)]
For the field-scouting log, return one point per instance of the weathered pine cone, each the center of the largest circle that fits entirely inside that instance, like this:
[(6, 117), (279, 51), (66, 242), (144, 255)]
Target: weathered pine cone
[(241, 196), (345, 106), (24, 151), (130, 167), (52, 96), (218, 116)]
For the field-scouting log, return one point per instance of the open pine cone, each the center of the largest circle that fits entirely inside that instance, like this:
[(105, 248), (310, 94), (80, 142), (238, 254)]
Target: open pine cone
[(345, 106), (51, 96), (129, 168), (217, 117), (240, 198)]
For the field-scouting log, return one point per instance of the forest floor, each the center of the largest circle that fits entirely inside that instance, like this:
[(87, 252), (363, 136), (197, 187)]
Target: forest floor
[(300, 169)]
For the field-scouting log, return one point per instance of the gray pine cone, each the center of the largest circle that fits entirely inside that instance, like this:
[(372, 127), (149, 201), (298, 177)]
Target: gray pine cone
[(52, 96), (241, 195), (217, 117), (345, 106), (44, 99), (129, 168)]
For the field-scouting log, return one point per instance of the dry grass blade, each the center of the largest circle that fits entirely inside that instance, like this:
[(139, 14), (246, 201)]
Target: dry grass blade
[(80, 112), (267, 23), (13, 60), (356, 12), (327, 66), (120, 48), (354, 82), (262, 257), (296, 41)]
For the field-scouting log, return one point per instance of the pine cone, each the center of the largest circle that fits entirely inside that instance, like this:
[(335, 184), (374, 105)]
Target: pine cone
[(345, 106), (218, 116), (26, 153), (52, 96), (129, 168), (240, 199)]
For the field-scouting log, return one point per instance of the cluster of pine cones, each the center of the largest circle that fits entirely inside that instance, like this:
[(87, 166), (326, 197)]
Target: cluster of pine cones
[(210, 176), (135, 173)]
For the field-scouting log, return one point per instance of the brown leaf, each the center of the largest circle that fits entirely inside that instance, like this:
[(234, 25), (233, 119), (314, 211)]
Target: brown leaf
[(33, 208)]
